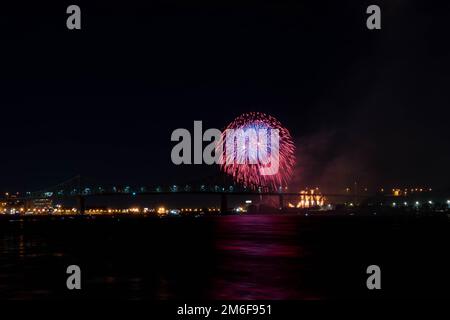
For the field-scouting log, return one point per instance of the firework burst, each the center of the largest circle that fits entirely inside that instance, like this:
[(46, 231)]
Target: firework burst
[(257, 151)]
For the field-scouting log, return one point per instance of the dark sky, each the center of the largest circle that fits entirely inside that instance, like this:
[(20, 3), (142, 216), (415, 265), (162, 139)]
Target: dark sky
[(366, 106)]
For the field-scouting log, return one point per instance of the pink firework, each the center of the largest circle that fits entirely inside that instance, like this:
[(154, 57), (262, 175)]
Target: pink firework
[(257, 151)]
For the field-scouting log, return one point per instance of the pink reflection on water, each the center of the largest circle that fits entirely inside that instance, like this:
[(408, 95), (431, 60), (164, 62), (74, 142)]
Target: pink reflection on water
[(259, 258)]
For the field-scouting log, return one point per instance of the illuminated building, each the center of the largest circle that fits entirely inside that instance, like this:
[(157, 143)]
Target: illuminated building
[(43, 203), (309, 199)]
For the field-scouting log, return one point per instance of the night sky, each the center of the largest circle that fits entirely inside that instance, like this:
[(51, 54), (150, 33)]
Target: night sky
[(365, 106)]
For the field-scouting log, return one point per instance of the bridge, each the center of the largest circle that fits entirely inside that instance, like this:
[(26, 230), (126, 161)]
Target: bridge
[(81, 188)]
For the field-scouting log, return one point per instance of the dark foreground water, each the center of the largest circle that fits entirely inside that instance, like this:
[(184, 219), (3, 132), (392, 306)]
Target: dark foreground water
[(230, 257)]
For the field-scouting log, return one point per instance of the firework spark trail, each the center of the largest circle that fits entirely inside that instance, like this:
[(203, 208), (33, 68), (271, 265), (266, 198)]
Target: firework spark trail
[(252, 147)]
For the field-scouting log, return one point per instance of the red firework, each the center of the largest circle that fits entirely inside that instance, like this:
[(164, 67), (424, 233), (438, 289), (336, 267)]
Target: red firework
[(257, 151)]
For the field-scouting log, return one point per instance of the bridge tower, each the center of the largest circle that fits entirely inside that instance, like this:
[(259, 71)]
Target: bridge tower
[(223, 203), (280, 201), (81, 204)]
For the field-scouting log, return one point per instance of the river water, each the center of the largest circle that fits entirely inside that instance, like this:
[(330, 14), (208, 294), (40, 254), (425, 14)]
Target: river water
[(271, 257)]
